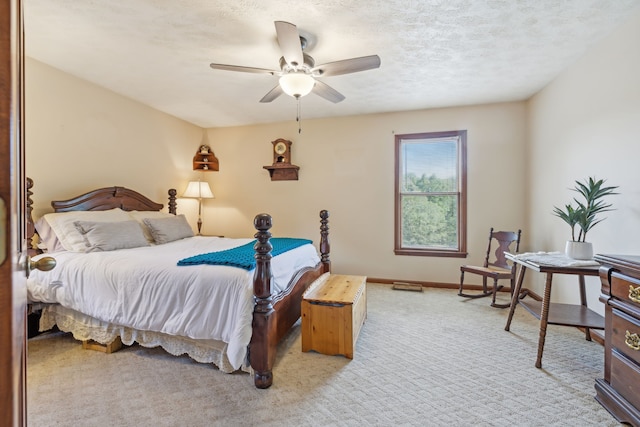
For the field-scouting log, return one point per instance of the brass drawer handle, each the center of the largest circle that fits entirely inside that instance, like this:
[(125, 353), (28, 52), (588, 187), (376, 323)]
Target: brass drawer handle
[(634, 294), (632, 340)]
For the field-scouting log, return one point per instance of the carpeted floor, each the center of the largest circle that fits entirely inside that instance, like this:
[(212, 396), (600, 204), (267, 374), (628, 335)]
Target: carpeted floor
[(428, 358)]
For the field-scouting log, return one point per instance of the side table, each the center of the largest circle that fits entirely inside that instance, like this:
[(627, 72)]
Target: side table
[(553, 313)]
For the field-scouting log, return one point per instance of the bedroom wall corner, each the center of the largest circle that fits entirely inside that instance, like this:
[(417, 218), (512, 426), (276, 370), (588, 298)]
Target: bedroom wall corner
[(80, 136), (586, 123)]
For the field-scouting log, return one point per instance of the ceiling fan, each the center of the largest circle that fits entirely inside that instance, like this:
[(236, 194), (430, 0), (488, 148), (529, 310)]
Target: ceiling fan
[(298, 72)]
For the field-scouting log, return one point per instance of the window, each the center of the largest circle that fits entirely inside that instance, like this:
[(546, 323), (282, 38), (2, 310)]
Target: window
[(430, 194)]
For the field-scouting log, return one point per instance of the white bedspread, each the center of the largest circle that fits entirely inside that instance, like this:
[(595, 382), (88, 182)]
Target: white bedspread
[(144, 289)]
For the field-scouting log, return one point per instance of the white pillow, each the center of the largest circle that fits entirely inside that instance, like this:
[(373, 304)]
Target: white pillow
[(165, 230), (47, 236), (109, 236), (141, 215), (67, 233)]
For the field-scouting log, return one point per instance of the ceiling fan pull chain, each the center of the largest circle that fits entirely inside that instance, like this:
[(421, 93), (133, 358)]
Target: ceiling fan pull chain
[(298, 114)]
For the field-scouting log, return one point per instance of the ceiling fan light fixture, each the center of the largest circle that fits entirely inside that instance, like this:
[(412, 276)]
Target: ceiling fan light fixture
[(297, 84), (298, 70)]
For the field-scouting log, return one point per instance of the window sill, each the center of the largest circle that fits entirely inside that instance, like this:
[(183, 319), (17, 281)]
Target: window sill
[(433, 253)]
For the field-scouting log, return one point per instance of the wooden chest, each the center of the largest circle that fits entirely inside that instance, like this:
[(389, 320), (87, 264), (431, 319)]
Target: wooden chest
[(333, 313)]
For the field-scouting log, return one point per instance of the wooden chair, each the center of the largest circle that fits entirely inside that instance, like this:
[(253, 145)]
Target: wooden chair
[(497, 269)]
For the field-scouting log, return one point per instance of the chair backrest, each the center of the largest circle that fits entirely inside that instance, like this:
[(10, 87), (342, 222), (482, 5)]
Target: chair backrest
[(504, 240)]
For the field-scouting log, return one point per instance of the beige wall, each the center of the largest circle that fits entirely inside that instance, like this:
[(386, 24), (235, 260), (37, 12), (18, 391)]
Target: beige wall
[(587, 123), (80, 136), (347, 167)]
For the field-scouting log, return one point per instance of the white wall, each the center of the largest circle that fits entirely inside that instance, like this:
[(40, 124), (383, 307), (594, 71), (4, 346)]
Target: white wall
[(587, 123), (81, 136)]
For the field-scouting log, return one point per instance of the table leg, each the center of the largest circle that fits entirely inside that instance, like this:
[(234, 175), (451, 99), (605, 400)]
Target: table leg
[(515, 295), (544, 317), (583, 301)]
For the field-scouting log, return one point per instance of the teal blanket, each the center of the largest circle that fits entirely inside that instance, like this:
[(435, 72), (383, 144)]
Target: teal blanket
[(243, 256)]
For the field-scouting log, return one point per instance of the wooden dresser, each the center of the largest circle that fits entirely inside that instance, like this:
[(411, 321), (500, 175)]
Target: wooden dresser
[(619, 391)]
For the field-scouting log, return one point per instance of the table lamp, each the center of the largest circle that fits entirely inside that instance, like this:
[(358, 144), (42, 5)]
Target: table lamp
[(198, 190)]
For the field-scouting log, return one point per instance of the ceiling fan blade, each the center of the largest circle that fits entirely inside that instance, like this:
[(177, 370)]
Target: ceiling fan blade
[(347, 66), (272, 94), (327, 92), (289, 41), (243, 69)]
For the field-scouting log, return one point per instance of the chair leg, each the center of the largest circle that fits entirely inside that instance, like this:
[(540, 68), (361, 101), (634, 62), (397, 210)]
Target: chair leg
[(485, 292), (495, 292)]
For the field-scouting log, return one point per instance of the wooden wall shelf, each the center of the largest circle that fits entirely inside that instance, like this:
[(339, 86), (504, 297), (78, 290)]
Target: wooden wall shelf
[(282, 169), (283, 172), (205, 160)]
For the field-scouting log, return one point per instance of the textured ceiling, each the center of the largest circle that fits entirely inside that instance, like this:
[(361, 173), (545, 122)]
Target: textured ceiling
[(435, 53)]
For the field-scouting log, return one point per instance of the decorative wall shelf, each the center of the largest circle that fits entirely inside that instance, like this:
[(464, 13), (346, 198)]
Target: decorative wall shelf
[(205, 160), (283, 172)]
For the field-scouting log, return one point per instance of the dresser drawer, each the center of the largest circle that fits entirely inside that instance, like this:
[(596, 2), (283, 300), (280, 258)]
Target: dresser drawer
[(625, 335), (625, 378), (626, 289)]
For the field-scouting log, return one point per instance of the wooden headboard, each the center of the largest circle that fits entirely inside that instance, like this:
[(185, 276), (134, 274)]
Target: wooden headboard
[(113, 197)]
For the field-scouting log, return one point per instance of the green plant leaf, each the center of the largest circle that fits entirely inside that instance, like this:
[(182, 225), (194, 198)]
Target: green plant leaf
[(586, 212), (569, 215)]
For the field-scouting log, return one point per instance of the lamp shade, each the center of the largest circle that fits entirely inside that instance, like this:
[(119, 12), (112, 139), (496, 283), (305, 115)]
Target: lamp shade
[(297, 84), (198, 190)]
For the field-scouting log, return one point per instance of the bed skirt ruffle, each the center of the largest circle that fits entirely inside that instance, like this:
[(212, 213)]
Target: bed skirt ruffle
[(85, 328)]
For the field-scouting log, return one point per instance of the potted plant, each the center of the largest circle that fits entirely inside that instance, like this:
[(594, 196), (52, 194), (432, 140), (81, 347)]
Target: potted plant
[(584, 215)]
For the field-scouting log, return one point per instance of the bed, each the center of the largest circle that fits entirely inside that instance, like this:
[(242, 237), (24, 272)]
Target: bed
[(148, 298)]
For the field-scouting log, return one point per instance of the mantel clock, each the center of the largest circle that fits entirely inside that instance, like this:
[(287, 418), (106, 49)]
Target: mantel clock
[(282, 169)]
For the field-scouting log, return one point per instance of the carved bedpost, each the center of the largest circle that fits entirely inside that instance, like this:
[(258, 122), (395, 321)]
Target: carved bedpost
[(31, 230), (172, 201), (262, 349), (325, 246)]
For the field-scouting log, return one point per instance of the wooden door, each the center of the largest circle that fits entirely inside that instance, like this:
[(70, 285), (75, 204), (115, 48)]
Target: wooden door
[(12, 223)]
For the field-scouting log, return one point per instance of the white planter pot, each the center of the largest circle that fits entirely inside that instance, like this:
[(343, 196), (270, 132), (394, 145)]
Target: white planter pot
[(579, 250)]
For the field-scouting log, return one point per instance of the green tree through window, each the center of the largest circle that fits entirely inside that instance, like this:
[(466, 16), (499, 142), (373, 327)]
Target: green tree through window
[(430, 194)]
